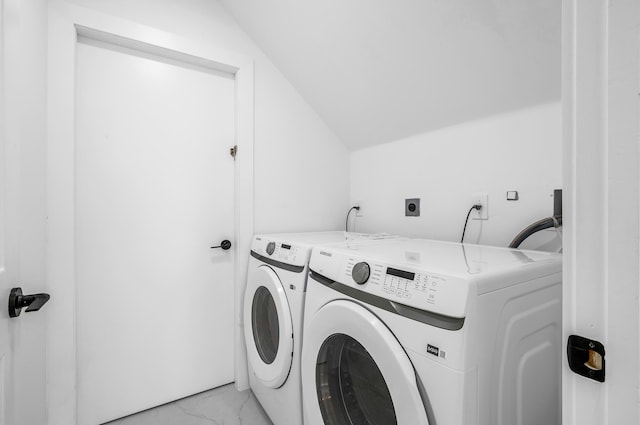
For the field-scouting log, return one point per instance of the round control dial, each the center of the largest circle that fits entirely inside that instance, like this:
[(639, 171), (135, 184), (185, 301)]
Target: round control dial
[(360, 273), (271, 247)]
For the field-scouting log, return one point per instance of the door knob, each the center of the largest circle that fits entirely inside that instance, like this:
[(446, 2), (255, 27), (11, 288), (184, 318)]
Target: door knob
[(225, 244), (17, 302)]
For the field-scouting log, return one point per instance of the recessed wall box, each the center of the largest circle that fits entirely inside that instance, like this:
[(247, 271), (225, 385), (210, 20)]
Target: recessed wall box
[(412, 207)]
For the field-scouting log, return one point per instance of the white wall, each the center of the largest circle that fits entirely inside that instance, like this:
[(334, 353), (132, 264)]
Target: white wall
[(300, 166), (432, 63), (521, 151)]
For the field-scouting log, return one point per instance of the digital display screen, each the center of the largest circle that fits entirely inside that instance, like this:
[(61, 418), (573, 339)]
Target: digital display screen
[(401, 273), (285, 246)]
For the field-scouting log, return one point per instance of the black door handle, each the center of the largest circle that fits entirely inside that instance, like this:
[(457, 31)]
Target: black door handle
[(225, 244), (17, 302)]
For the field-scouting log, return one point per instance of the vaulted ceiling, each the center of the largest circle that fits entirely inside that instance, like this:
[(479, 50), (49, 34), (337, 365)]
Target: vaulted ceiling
[(380, 70)]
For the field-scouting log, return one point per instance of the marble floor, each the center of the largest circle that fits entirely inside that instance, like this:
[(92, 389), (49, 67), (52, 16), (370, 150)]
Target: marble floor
[(220, 406)]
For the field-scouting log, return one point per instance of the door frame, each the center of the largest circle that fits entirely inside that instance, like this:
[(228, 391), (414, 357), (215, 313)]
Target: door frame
[(600, 88), (66, 23)]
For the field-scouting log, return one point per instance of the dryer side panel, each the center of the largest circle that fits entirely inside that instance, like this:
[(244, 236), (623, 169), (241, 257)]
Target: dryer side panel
[(520, 371)]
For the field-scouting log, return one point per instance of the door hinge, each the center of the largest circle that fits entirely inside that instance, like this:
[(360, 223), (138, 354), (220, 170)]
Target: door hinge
[(233, 151)]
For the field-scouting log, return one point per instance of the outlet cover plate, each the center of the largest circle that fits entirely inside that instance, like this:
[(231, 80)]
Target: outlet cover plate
[(412, 207), (481, 198)]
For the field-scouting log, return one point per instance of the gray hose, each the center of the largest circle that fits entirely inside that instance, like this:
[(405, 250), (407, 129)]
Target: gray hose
[(539, 225)]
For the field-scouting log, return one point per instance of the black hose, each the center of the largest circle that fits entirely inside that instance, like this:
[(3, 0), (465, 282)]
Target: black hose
[(464, 229), (539, 225), (346, 224)]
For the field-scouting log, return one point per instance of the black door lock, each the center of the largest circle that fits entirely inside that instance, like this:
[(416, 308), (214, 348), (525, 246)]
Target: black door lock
[(586, 357), (17, 302), (225, 244)]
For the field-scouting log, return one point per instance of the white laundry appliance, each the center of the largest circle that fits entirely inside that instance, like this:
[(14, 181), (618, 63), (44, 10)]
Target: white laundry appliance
[(417, 332), (273, 313)]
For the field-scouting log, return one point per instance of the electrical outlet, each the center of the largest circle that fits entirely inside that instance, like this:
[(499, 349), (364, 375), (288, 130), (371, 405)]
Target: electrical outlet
[(360, 212), (481, 198), (412, 207)]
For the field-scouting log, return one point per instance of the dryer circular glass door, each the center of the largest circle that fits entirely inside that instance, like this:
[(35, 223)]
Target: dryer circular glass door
[(268, 327), (354, 371)]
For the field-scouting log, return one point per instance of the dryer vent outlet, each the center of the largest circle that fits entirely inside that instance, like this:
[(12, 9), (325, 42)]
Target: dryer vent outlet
[(412, 207)]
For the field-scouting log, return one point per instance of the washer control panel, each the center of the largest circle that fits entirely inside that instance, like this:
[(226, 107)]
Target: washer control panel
[(271, 248), (360, 273), (406, 285), (423, 289)]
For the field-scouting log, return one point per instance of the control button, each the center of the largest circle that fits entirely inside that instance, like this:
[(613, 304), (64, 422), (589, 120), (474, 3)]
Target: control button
[(360, 273), (271, 247)]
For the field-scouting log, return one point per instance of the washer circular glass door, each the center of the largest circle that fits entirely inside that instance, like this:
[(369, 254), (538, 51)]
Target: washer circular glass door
[(354, 371), (268, 327)]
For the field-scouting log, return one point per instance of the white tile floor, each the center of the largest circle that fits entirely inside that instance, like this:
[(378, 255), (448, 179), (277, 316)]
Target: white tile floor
[(221, 406)]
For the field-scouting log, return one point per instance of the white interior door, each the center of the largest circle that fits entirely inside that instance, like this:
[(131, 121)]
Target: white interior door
[(154, 190)]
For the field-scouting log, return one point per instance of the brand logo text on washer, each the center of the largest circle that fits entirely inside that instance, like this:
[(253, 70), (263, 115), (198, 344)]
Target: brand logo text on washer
[(433, 350)]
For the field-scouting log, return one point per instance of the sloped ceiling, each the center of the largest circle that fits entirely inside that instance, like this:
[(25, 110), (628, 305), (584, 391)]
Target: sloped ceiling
[(380, 70)]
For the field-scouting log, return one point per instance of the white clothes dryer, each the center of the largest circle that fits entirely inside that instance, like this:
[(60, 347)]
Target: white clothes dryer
[(273, 313), (418, 332)]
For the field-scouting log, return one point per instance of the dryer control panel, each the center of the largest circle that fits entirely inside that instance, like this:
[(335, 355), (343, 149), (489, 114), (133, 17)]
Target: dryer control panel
[(422, 289), (281, 251)]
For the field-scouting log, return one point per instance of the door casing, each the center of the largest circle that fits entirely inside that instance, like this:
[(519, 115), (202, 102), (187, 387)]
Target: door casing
[(601, 204), (22, 218)]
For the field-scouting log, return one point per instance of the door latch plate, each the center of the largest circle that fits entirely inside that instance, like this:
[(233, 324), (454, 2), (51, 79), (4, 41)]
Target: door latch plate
[(586, 357)]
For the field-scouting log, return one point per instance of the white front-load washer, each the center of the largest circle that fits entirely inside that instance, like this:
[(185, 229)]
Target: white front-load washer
[(417, 332), (273, 313)]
